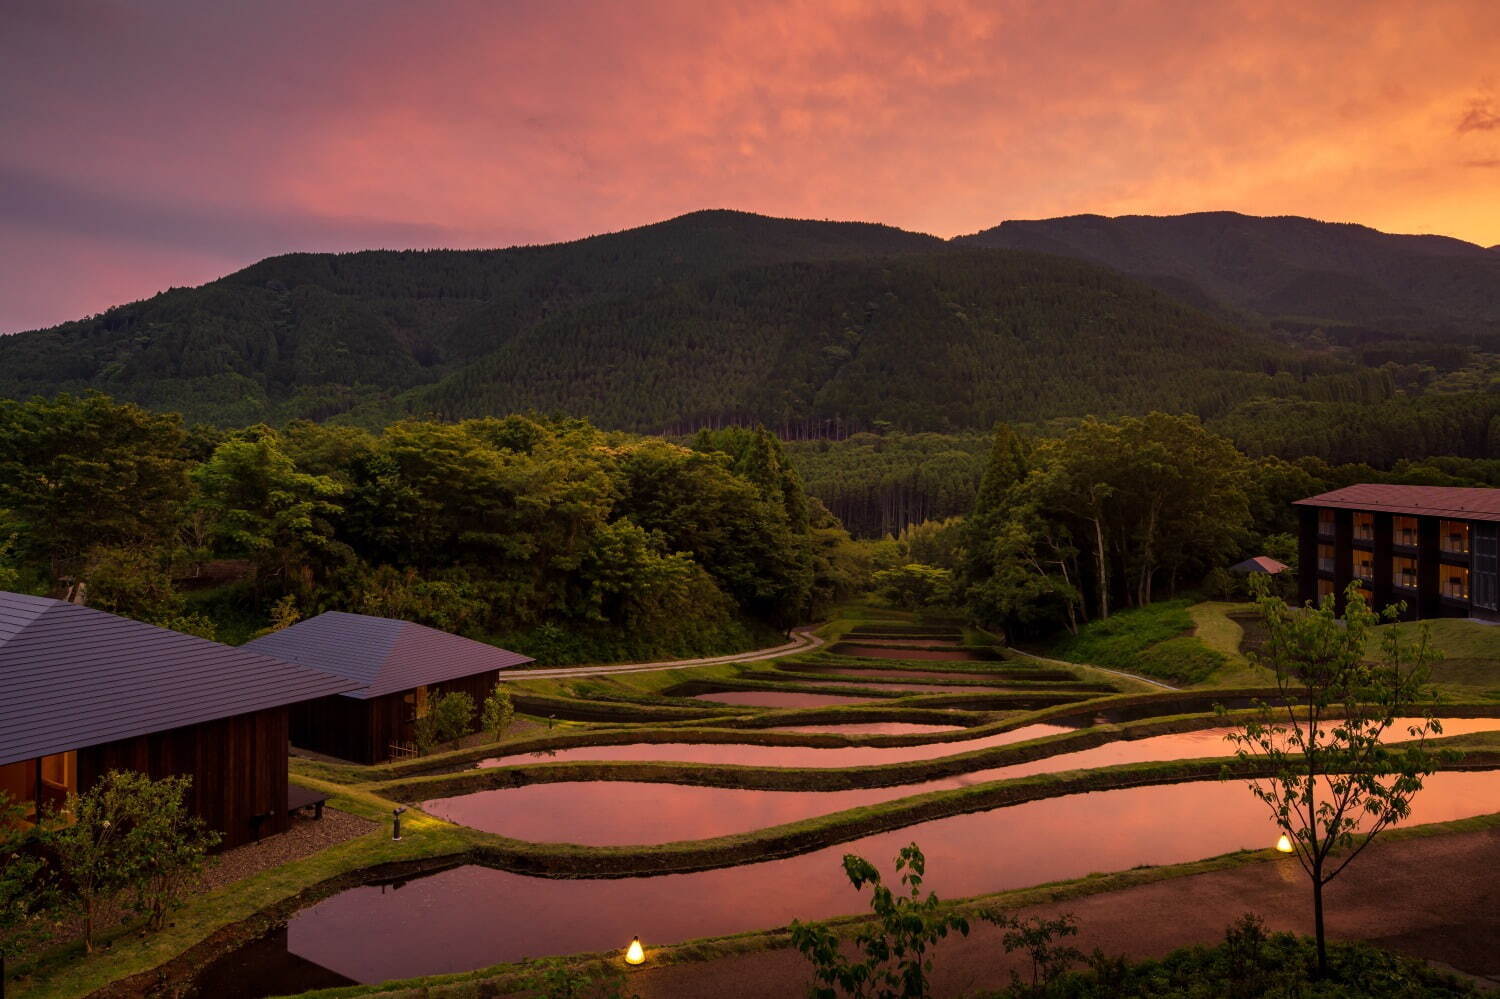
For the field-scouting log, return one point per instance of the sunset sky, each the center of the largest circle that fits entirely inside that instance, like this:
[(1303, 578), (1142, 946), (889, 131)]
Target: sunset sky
[(150, 144)]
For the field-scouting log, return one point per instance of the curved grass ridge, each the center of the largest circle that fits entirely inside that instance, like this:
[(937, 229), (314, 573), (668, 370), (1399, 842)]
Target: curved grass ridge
[(1006, 679), (816, 833), (812, 779), (745, 727), (854, 665), (981, 696)]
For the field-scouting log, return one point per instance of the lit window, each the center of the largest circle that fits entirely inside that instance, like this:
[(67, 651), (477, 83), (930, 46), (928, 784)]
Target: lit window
[(1325, 558), (1364, 566), (1404, 531), (1454, 536), (1404, 572), (1455, 582), (1364, 527)]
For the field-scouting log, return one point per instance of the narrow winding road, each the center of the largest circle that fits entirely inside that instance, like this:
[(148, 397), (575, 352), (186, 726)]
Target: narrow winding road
[(801, 640)]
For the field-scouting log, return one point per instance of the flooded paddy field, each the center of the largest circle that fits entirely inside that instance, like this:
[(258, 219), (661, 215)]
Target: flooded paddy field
[(470, 917), (619, 813), (747, 754)]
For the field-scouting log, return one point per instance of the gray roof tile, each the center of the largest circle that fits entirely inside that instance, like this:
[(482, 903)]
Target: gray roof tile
[(383, 654), (72, 677)]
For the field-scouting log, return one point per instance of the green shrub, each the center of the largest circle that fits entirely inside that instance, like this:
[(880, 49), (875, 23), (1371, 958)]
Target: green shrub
[(449, 717), (499, 710), (896, 946), (1152, 640), (1251, 964)]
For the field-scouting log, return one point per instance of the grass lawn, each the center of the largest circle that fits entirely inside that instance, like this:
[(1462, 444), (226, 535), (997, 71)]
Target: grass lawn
[(1179, 642), (1470, 667), (1214, 627)]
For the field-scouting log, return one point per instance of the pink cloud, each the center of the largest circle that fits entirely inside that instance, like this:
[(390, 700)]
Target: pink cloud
[(477, 124)]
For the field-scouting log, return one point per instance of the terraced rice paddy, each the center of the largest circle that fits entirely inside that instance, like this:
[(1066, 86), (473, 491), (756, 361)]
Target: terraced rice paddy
[(783, 756), (917, 654), (780, 698), (614, 813), (472, 916)]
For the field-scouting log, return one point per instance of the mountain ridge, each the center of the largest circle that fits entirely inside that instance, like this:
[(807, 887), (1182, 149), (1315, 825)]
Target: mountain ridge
[(1287, 270), (722, 315)]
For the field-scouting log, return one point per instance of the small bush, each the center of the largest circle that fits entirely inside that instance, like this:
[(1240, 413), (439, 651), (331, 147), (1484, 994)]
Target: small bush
[(1252, 964), (449, 717), (499, 710)]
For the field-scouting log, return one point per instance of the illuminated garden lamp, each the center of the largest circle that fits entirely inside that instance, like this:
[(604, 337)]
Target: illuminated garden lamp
[(635, 953), (1284, 844)]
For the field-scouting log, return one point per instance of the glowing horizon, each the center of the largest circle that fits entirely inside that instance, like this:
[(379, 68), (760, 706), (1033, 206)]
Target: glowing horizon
[(168, 143)]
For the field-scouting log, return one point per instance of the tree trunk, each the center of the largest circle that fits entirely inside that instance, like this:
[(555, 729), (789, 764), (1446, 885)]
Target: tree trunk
[(1318, 923), (1103, 568)]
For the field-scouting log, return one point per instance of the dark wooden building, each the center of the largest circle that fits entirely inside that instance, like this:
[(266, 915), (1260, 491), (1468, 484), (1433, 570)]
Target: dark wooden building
[(398, 666), (1433, 548), (83, 692)]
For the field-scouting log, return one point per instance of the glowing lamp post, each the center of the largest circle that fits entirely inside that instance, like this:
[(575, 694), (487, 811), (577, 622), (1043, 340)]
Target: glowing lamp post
[(1284, 844), (635, 953)]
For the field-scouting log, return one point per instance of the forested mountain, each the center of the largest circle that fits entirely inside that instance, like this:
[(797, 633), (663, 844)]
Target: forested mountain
[(812, 328), (1293, 272), (311, 334)]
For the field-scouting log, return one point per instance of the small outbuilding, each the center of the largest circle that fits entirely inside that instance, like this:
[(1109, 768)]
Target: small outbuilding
[(1259, 565), (397, 666), (83, 692)]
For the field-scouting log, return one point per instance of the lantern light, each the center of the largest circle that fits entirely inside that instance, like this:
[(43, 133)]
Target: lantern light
[(635, 953), (1284, 844)]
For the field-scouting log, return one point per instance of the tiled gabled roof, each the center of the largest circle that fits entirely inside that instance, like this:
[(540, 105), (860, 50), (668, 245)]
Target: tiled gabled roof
[(1453, 502), (72, 677), (382, 654), (1259, 563)]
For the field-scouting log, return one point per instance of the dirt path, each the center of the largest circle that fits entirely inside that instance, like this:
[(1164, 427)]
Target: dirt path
[(801, 640), (1437, 898)]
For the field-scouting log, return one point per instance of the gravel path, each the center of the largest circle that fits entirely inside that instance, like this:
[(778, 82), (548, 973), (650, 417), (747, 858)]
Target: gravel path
[(306, 837)]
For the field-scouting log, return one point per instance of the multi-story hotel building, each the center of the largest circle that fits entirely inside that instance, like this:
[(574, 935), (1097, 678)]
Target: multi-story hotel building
[(1433, 547)]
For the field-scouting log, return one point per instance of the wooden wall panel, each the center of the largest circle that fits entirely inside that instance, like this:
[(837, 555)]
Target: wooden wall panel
[(362, 731), (238, 766)]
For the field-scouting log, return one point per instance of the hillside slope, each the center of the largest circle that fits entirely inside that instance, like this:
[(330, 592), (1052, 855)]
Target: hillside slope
[(1290, 271), (313, 333), (715, 316)]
